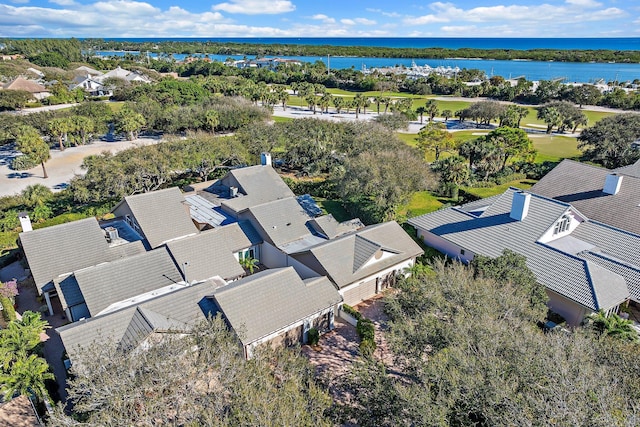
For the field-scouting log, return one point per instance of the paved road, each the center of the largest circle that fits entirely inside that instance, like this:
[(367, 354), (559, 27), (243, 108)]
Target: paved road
[(62, 166)]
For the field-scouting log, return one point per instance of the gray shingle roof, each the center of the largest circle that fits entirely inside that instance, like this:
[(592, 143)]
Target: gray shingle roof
[(494, 231), (108, 283), (271, 300), (64, 248), (210, 253), (119, 328), (344, 259), (581, 185), (281, 221), (631, 170), (162, 215), (328, 226), (258, 184)]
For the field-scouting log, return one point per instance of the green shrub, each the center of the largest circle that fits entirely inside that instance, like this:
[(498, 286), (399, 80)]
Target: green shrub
[(314, 336), (351, 311), (367, 347), (22, 163), (365, 329), (8, 312)]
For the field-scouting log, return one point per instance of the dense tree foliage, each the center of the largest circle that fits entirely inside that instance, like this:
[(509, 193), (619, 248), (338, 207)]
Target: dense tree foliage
[(110, 177), (468, 352), (31, 144), (22, 371), (66, 49), (197, 379), (609, 142)]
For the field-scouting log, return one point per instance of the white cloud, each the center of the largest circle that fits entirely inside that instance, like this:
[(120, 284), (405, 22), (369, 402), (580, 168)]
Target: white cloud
[(324, 18), (256, 7), (348, 21), (426, 19), (63, 2), (365, 21), (584, 3)]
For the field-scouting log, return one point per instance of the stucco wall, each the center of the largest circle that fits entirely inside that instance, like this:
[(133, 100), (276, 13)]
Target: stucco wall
[(446, 247), (572, 312)]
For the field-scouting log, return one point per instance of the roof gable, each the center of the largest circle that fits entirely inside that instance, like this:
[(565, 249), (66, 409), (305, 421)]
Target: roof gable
[(256, 185), (161, 215), (269, 301), (64, 248), (347, 259)]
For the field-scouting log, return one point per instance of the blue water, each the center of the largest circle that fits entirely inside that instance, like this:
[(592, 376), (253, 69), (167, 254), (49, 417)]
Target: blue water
[(630, 43), (531, 70)]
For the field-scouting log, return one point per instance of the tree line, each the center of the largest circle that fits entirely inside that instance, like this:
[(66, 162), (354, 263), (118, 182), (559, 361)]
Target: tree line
[(278, 49)]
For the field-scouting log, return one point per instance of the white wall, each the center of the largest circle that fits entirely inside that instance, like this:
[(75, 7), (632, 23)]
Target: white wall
[(549, 236), (272, 257), (573, 313), (446, 247), (381, 274)]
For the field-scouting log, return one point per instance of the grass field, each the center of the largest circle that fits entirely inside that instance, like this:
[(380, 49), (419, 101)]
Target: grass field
[(333, 207), (499, 189), (421, 203), (282, 119)]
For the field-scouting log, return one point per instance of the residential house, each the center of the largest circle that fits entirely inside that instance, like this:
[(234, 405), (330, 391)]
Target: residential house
[(91, 86), (608, 196), (83, 70), (159, 216), (584, 264), (105, 287), (38, 91), (121, 73), (362, 263), (57, 251), (277, 307), (140, 323)]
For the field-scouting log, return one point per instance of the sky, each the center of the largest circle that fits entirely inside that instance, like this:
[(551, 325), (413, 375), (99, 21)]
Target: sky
[(326, 18)]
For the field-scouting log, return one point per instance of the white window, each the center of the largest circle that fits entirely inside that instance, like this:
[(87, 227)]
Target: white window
[(562, 225)]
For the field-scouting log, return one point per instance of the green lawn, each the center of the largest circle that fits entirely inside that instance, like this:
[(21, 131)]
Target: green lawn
[(421, 203), (115, 106), (282, 119), (499, 189), (333, 207), (555, 148)]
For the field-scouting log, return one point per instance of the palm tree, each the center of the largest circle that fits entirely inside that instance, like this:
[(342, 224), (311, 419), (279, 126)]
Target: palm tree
[(325, 101), (36, 195), (27, 376), (358, 102), (453, 172), (613, 326), (30, 143), (421, 110), (283, 96), (446, 114), (339, 102), (249, 263), (378, 100), (386, 101)]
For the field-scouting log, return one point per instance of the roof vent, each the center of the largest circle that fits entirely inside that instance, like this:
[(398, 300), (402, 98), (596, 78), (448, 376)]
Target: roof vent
[(520, 205), (112, 234), (265, 159), (612, 184)]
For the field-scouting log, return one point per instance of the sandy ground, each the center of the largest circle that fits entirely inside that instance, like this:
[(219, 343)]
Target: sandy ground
[(62, 166)]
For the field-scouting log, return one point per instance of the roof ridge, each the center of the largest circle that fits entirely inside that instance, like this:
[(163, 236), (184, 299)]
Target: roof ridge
[(614, 260), (602, 224)]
